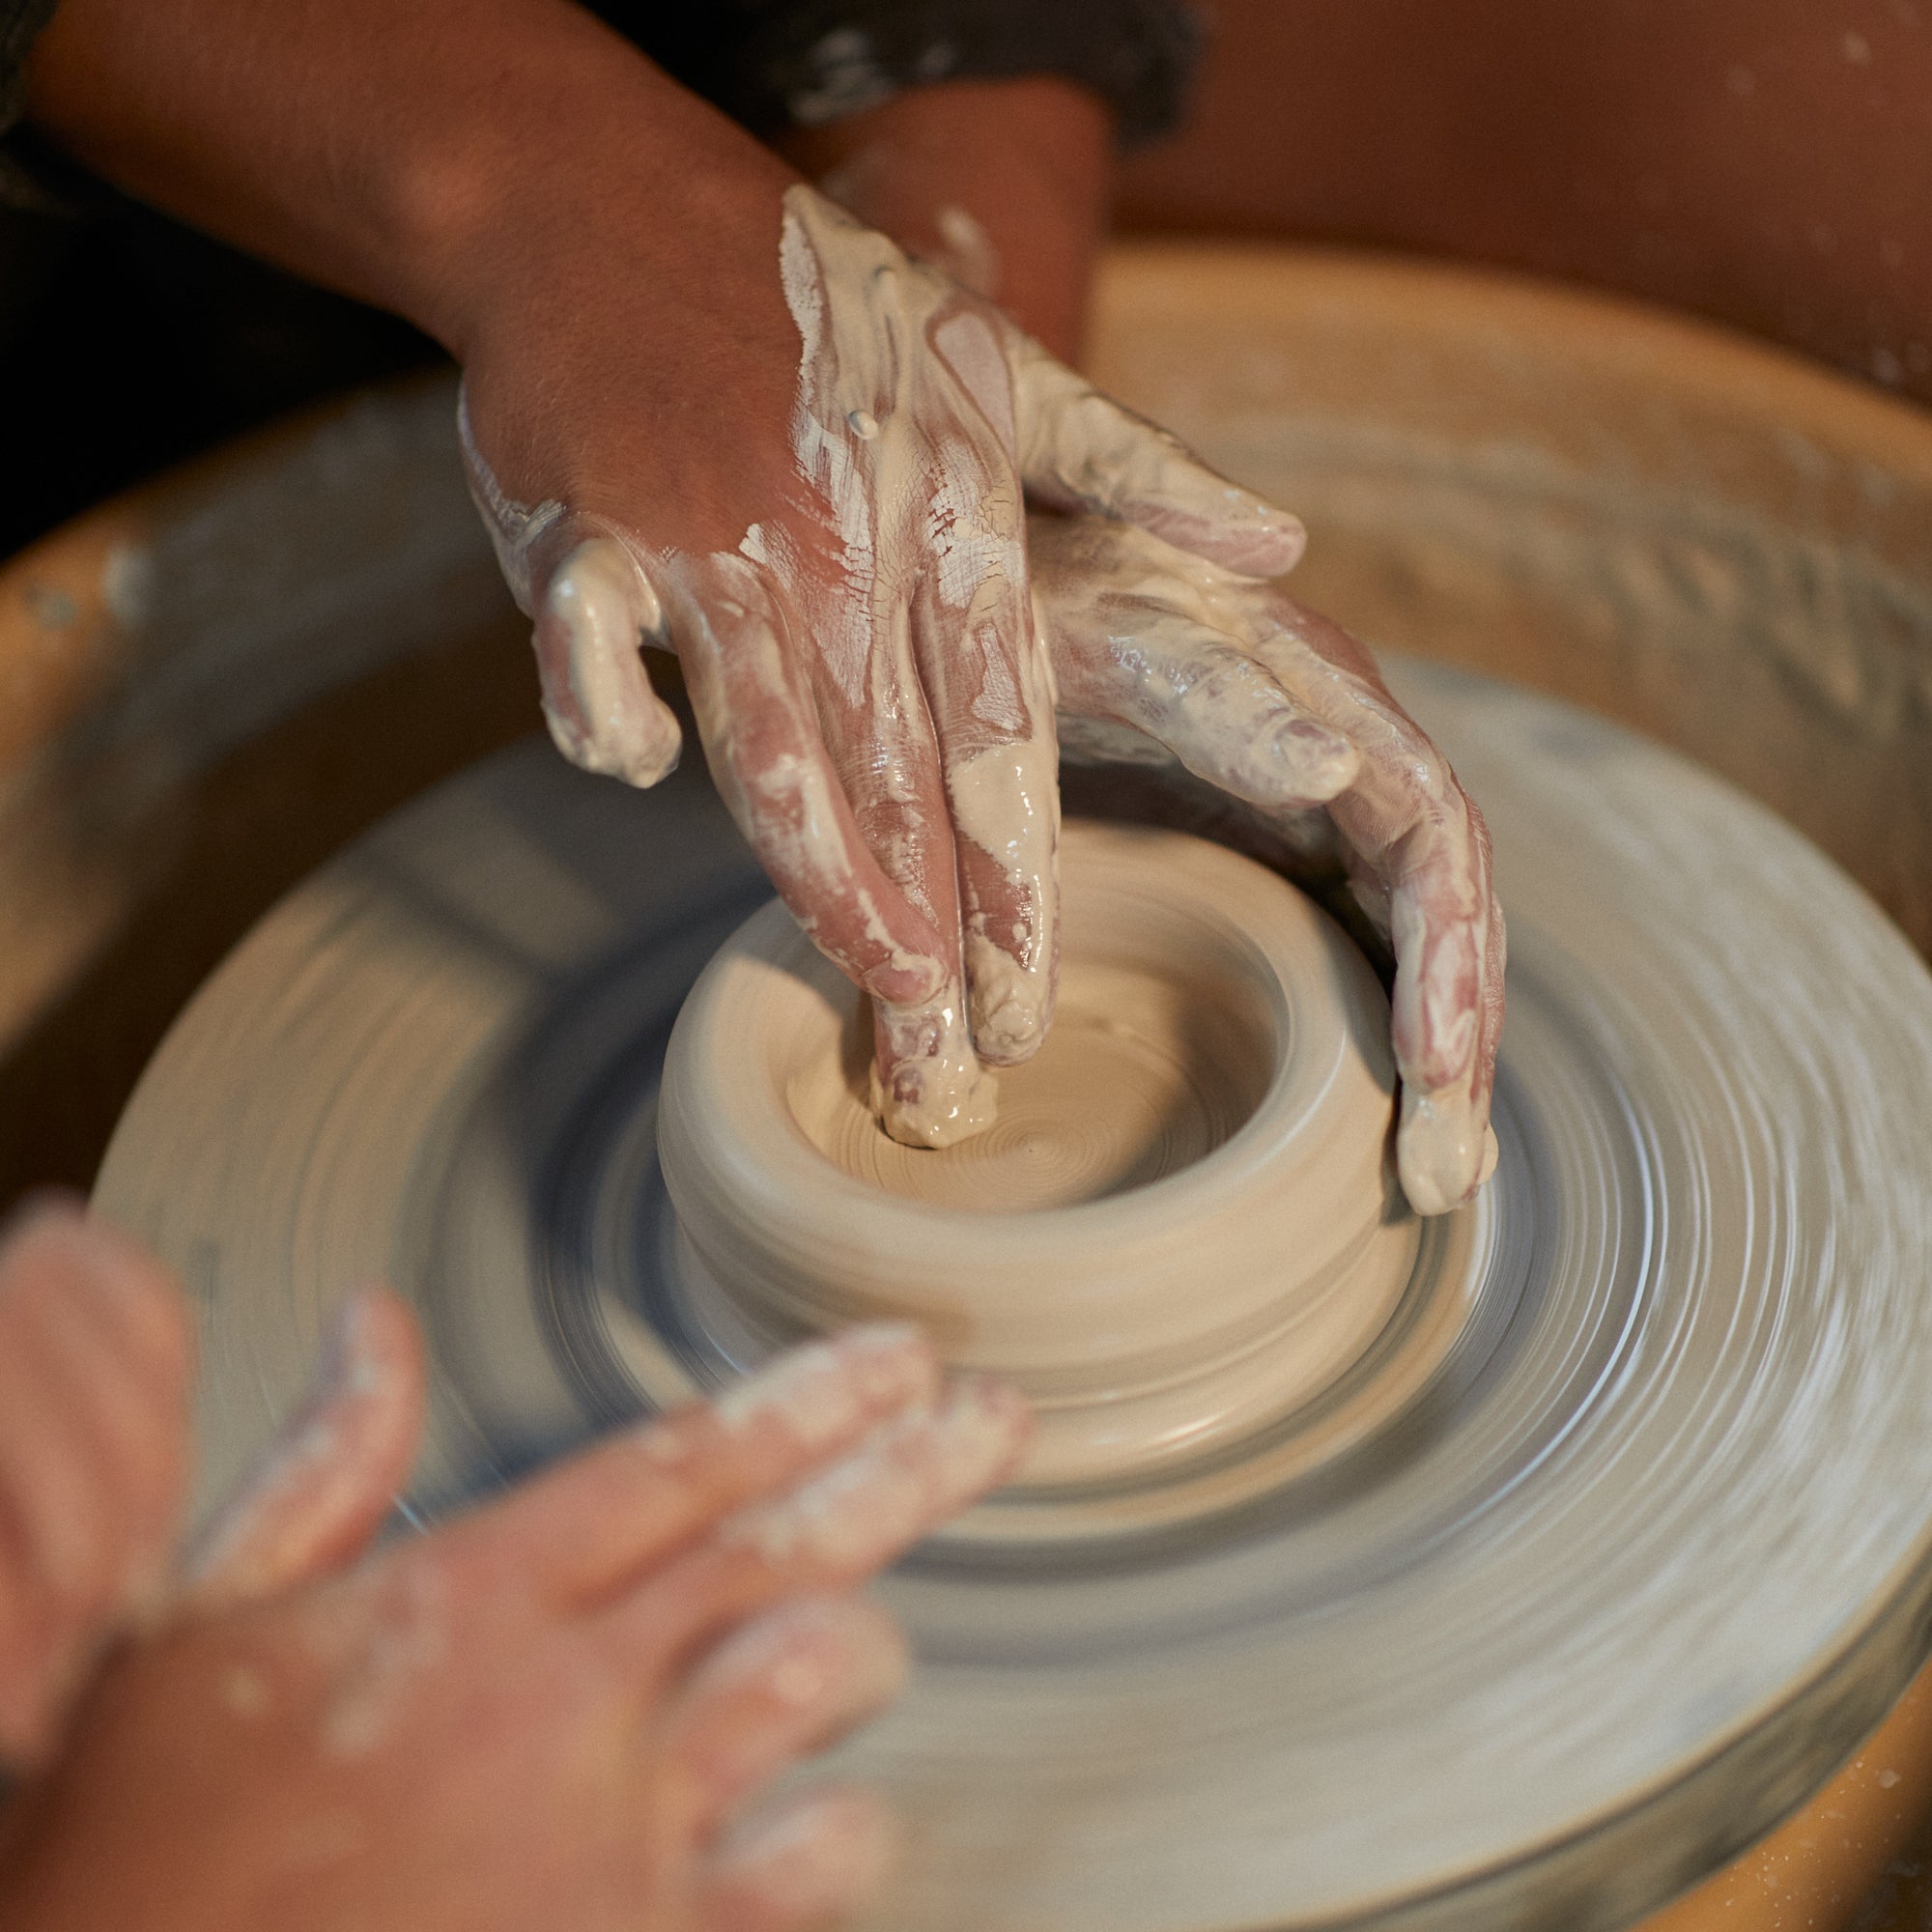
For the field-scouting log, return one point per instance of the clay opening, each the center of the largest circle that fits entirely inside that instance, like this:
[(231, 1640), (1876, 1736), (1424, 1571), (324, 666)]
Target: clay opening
[(1144, 1074)]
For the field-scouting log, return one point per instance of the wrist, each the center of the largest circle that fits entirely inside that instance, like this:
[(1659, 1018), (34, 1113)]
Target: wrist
[(1005, 185), (616, 171)]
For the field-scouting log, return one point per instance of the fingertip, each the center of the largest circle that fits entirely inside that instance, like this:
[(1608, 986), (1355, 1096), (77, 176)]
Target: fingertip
[(821, 1393), (988, 1424), (1231, 527), (1257, 546), (1259, 540), (1008, 1034), (894, 1362), (1095, 454), (374, 1373), (1446, 1149), (927, 1085), (597, 610), (785, 1685), (911, 1475), (321, 1490), (811, 1861), (828, 1661), (1011, 1006), (640, 750), (380, 1340)]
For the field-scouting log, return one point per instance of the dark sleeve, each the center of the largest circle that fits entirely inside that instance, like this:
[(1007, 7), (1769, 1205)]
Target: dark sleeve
[(19, 21), (778, 63)]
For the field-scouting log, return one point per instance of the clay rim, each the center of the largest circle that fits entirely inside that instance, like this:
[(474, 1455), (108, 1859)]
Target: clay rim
[(771, 940)]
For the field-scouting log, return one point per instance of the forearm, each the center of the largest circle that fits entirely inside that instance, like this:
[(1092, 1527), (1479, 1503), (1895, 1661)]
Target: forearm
[(1004, 183), (417, 157)]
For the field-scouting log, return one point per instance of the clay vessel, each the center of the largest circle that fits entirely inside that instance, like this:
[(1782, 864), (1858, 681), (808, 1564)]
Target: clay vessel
[(1184, 1223)]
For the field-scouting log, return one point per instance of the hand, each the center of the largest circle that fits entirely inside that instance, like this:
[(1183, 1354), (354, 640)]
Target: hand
[(1001, 183), (93, 1380), (839, 563), (706, 409), (1277, 707), (551, 1711)]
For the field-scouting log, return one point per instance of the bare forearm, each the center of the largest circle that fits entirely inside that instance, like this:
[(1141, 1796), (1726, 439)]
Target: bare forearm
[(1004, 183), (417, 157)]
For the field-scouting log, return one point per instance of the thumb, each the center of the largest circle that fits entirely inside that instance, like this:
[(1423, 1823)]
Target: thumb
[(320, 1490), (586, 587), (596, 609), (1081, 450)]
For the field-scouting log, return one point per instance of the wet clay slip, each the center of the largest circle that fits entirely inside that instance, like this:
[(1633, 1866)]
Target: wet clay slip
[(1184, 1223)]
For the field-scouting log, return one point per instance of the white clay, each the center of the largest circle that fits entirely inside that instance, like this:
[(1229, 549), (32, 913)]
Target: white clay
[(820, 1394), (920, 1465), (1678, 1448), (921, 416), (857, 302), (1216, 1098)]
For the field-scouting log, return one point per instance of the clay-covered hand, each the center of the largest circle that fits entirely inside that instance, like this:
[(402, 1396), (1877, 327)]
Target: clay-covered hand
[(94, 1381), (1281, 709), (561, 1709), (854, 631)]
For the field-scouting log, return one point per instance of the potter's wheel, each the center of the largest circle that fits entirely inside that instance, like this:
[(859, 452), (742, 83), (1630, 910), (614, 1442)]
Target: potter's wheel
[(1613, 1586)]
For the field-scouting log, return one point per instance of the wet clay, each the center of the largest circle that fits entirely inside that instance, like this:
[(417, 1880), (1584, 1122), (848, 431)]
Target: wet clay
[(875, 697), (1141, 1078), (1663, 1450), (897, 643), (1217, 1099), (1528, 479)]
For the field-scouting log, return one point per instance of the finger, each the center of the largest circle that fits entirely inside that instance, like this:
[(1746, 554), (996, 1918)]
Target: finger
[(769, 761), (909, 1476), (927, 1085), (1009, 892), (1222, 714), (1150, 646), (587, 1529), (985, 669), (85, 1451), (148, 1314), (778, 1689), (1445, 977), (93, 1434), (125, 1438), (1422, 852), (1081, 450), (991, 696), (44, 1663), (812, 1861), (1494, 981), (596, 611), (324, 1487), (106, 1328)]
